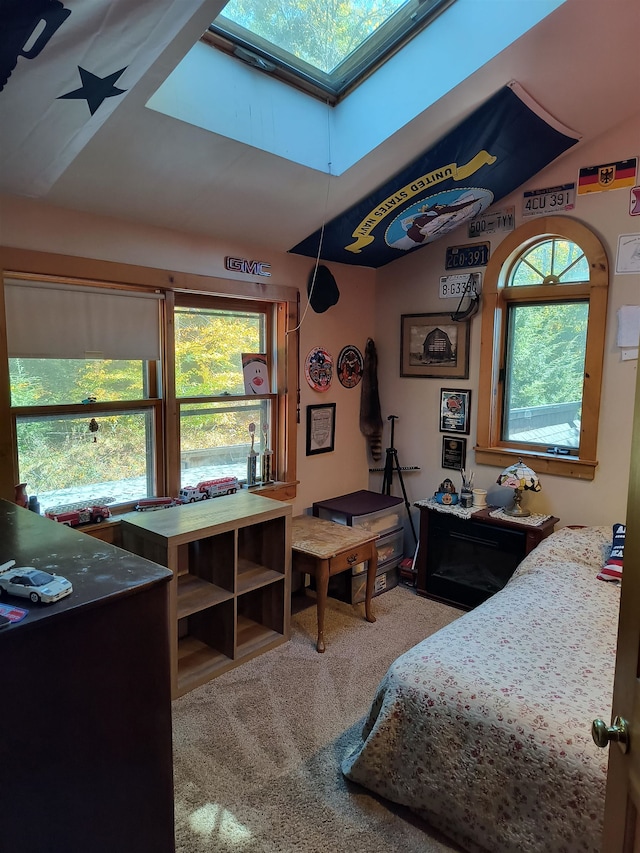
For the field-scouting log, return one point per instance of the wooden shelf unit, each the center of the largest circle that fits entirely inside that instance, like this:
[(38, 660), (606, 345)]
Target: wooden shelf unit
[(230, 592)]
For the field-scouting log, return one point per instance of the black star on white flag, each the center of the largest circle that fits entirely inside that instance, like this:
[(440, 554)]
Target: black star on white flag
[(95, 89)]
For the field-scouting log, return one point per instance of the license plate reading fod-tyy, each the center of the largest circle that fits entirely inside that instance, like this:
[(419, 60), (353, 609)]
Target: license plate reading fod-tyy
[(460, 285), (462, 257)]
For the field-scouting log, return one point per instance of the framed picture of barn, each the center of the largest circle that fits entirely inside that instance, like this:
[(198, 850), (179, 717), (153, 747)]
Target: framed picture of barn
[(433, 346)]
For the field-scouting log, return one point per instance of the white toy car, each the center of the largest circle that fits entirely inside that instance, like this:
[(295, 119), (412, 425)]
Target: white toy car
[(27, 582)]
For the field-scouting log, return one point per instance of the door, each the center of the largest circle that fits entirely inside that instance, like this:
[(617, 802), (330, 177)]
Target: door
[(622, 824)]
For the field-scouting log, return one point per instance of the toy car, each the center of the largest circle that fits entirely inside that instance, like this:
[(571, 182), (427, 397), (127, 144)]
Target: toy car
[(27, 582), (146, 504)]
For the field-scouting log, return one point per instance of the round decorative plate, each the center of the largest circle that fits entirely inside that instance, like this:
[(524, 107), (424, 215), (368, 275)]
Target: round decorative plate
[(318, 368), (350, 365)]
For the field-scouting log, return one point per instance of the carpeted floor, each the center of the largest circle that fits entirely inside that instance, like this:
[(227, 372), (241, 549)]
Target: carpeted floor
[(257, 751)]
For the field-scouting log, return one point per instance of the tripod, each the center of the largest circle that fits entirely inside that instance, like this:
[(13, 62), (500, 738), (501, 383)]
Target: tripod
[(391, 464)]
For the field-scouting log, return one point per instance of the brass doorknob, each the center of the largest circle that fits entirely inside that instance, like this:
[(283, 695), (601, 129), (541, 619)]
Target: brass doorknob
[(603, 734)]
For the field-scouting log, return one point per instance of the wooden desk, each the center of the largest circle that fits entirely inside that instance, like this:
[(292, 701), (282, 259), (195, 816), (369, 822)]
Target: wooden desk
[(325, 548), (85, 749)]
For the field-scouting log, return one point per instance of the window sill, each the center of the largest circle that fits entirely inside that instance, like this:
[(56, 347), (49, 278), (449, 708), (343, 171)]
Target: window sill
[(278, 490), (542, 463)]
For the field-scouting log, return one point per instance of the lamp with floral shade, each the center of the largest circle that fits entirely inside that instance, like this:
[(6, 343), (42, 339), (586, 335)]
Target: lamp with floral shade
[(520, 478)]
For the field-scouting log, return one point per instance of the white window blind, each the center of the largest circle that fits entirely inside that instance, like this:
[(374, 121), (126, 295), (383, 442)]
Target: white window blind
[(68, 321)]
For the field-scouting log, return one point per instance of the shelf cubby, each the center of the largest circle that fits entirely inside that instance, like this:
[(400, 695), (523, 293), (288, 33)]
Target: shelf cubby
[(230, 594)]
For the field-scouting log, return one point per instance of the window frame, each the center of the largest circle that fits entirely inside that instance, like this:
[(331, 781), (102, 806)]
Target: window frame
[(391, 36), (490, 448), (228, 304), (17, 263)]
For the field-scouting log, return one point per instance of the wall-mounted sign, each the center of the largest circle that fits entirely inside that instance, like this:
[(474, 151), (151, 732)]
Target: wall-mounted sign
[(609, 176), (549, 201), (499, 220), (350, 366), (248, 267), (465, 284), (472, 255), (628, 257), (318, 369), (634, 202)]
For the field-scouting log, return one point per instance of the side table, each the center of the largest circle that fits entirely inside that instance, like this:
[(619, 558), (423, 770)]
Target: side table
[(324, 548)]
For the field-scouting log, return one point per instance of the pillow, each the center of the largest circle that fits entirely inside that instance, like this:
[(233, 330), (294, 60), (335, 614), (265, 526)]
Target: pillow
[(612, 569)]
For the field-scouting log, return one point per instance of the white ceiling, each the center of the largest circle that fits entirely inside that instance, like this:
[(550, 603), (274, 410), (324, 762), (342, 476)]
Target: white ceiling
[(580, 64)]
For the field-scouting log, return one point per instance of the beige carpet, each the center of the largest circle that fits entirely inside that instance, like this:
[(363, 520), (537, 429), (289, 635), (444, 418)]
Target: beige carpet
[(257, 751)]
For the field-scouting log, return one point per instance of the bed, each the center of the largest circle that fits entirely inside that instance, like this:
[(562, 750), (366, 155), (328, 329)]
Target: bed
[(484, 728)]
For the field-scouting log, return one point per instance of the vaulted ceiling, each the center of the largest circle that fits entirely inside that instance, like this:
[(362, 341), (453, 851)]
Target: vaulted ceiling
[(123, 159)]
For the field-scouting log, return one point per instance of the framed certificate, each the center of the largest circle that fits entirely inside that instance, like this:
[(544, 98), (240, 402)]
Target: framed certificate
[(321, 428), (454, 410), (454, 452)]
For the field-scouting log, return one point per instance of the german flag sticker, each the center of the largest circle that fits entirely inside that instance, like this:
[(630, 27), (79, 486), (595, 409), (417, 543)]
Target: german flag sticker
[(610, 176)]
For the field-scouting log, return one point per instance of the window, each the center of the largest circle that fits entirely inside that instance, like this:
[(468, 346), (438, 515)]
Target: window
[(215, 412), (120, 391), (85, 428), (543, 327), (322, 47)]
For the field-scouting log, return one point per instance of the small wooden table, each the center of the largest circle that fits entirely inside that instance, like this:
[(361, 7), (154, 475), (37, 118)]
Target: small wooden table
[(324, 548)]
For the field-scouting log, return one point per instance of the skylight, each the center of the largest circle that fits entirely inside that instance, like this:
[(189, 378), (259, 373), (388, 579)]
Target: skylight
[(325, 47)]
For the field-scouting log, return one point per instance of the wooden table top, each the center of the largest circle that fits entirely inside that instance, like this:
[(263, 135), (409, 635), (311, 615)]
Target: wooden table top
[(325, 539)]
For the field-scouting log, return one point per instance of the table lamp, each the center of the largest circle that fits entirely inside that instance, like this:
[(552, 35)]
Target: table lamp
[(519, 477)]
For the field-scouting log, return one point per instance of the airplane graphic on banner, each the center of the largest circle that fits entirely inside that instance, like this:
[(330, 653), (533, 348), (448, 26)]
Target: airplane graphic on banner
[(502, 144)]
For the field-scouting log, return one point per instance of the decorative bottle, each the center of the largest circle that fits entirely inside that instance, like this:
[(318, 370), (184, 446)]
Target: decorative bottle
[(21, 498), (252, 459), (266, 458)]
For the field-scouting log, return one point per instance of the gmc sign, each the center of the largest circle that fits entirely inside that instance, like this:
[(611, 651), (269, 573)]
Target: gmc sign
[(248, 267)]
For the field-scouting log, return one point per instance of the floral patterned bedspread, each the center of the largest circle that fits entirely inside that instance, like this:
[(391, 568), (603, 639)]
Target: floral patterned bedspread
[(484, 728)]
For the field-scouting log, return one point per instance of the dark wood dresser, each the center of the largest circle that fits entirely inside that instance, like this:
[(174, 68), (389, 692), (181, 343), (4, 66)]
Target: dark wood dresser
[(85, 748), (464, 561)]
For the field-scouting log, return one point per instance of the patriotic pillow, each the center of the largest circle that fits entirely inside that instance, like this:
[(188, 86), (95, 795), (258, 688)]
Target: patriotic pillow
[(612, 569)]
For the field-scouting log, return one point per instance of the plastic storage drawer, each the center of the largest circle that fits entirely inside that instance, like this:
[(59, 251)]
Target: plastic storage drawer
[(390, 548), (379, 514), (385, 580)]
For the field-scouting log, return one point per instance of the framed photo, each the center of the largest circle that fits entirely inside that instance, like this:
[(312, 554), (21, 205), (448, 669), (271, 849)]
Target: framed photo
[(321, 428), (433, 346), (454, 452), (454, 410)]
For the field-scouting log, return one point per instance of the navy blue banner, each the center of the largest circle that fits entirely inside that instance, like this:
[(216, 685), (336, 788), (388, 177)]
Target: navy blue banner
[(492, 152)]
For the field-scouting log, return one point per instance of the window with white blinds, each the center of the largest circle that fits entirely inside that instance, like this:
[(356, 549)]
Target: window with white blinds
[(53, 320)]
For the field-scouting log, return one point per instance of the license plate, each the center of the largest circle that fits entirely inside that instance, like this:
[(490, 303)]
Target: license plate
[(459, 285), (549, 201), (462, 257), (490, 223)]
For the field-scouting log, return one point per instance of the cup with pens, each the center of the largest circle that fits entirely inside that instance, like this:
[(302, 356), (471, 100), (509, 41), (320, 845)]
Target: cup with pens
[(466, 493)]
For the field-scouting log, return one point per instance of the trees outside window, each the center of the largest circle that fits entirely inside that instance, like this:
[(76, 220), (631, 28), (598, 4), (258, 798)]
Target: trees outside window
[(215, 412), (113, 430)]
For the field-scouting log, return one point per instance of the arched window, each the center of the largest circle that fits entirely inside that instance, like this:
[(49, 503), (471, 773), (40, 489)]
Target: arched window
[(543, 327)]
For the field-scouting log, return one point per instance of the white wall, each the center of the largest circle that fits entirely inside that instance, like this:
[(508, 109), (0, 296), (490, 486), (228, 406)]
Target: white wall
[(33, 225), (410, 286)]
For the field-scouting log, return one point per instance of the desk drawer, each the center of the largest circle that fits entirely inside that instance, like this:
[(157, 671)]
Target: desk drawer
[(350, 559)]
